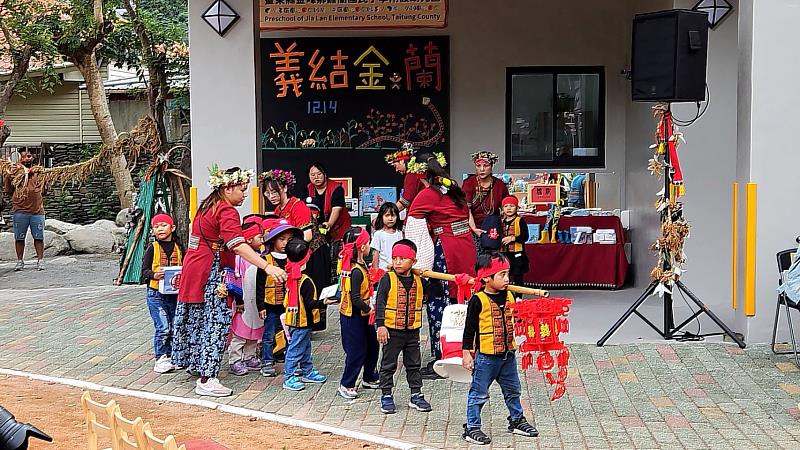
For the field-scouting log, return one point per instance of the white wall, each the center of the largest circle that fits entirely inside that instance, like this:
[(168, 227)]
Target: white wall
[(223, 100), (766, 150)]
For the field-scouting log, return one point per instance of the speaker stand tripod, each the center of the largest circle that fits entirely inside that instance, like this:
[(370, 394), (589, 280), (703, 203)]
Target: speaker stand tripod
[(670, 330)]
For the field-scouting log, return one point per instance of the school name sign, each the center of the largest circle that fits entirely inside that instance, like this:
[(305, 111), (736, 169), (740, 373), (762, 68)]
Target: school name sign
[(326, 14)]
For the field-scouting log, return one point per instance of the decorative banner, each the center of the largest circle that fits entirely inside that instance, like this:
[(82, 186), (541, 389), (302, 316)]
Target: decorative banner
[(309, 14)]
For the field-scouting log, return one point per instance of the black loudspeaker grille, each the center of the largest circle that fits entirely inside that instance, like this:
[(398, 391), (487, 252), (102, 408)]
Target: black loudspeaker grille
[(668, 59)]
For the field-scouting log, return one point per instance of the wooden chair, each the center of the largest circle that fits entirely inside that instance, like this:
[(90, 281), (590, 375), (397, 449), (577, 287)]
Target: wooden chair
[(99, 421), (155, 443), (129, 434), (785, 259)]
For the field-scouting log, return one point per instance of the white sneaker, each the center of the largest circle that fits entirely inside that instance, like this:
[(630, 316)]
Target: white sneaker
[(39, 265), (20, 265), (347, 393), (211, 388), (163, 365)]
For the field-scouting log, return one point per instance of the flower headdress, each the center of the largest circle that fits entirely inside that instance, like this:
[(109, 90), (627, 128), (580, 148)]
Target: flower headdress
[(283, 177), (405, 153), (218, 178), (421, 167), (489, 157)]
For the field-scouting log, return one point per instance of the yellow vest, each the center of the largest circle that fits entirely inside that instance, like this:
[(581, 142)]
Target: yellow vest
[(512, 229), (346, 306), (403, 308), (299, 318), (495, 329), (160, 260), (273, 292)]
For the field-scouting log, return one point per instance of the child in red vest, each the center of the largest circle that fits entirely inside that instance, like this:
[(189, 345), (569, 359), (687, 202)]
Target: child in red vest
[(489, 349), (358, 334), (163, 252)]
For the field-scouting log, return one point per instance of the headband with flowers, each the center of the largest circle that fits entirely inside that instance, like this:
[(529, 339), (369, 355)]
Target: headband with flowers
[(218, 178), (421, 167), (405, 153), (489, 157), (283, 177)]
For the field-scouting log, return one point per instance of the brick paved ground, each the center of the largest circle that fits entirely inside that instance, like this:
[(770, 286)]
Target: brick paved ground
[(626, 396)]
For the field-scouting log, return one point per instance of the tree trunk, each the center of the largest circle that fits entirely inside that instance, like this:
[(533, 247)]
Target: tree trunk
[(19, 70), (87, 64)]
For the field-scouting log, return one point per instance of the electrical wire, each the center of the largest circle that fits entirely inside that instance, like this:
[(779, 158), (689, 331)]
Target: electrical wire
[(687, 336), (698, 115)]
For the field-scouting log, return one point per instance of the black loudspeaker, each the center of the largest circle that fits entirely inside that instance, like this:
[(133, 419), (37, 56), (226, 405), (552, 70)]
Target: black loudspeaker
[(668, 61)]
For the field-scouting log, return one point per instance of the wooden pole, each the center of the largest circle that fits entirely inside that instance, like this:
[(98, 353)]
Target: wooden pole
[(511, 287)]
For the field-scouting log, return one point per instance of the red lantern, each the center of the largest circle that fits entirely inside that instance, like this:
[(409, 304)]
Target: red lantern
[(541, 321)]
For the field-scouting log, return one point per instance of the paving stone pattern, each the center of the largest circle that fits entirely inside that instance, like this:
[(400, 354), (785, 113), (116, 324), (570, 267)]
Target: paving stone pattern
[(690, 395)]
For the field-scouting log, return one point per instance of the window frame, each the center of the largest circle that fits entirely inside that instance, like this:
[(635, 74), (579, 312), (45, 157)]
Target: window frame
[(573, 162)]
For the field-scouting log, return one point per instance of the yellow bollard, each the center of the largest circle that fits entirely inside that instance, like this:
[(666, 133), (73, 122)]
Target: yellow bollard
[(750, 249), (256, 193), (192, 203), (735, 248)]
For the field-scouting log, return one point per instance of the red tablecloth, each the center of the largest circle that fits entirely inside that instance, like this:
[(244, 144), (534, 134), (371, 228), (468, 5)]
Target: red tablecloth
[(578, 265)]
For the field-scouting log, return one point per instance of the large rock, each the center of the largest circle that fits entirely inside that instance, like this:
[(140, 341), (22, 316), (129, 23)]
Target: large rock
[(54, 245), (122, 218), (105, 224), (91, 239), (120, 237), (58, 226)]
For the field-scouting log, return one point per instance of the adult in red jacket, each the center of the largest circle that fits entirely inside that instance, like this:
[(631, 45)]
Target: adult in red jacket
[(329, 198), (444, 207), (203, 316)]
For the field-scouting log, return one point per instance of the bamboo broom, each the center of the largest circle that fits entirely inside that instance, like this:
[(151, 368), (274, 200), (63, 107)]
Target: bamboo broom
[(511, 287)]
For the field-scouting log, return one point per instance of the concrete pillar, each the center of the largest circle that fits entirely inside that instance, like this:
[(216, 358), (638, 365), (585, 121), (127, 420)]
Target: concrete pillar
[(767, 153), (217, 95)]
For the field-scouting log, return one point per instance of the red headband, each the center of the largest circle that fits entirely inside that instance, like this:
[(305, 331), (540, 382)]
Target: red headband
[(403, 251), (162, 218), (347, 251), (510, 200), (497, 265), (251, 232)]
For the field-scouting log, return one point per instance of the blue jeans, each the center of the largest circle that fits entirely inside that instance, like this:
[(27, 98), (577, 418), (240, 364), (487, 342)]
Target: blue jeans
[(162, 311), (489, 368), (272, 323), (298, 353), (23, 221)]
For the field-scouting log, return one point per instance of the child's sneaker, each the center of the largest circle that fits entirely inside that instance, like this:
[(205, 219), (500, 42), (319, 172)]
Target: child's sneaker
[(522, 427), (238, 368), (314, 377), (370, 384), (163, 365), (294, 384), (253, 364), (475, 436), (419, 403), (211, 388), (268, 370), (347, 393), (387, 404)]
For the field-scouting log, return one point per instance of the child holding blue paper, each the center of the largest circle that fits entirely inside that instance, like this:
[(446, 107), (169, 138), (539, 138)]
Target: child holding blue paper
[(515, 234)]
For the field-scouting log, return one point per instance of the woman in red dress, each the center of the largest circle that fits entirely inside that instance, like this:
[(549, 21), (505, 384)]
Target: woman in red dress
[(276, 185), (413, 182), (444, 207), (203, 317), (484, 192)]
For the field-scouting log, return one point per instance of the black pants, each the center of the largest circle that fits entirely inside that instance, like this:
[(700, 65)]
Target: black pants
[(407, 342)]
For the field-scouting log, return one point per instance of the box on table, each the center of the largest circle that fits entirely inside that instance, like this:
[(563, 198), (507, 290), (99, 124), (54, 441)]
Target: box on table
[(605, 236)]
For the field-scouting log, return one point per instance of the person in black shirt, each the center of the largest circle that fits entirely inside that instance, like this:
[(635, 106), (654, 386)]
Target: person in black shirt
[(488, 349), (163, 252)]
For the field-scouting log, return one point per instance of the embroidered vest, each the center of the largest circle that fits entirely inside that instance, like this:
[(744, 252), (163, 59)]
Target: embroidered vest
[(346, 306), (160, 260), (300, 318), (403, 308), (495, 327), (513, 229), (273, 292)]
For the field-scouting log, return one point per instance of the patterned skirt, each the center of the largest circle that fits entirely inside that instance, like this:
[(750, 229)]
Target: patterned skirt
[(436, 305), (201, 330)]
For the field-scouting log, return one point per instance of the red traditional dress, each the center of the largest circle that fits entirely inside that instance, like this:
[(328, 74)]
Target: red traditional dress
[(343, 223), (484, 202), (216, 231), (449, 224), (412, 185)]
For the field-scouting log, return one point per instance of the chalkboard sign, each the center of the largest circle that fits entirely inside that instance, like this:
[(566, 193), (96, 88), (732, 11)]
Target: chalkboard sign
[(348, 101)]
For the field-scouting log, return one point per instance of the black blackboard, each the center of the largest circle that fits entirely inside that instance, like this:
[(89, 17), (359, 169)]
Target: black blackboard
[(348, 101)]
